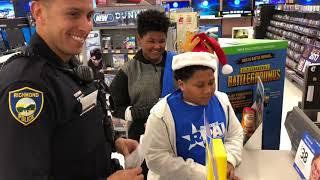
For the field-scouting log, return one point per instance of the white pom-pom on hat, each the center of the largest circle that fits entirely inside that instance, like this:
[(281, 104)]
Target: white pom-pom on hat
[(227, 69)]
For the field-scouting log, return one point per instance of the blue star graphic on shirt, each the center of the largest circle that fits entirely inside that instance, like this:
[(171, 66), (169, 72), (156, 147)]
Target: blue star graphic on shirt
[(195, 138)]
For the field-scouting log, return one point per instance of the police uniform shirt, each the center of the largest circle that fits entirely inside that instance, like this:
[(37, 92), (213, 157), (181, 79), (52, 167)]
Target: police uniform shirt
[(44, 131)]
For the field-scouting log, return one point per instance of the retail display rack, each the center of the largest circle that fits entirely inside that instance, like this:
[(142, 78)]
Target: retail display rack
[(300, 25)]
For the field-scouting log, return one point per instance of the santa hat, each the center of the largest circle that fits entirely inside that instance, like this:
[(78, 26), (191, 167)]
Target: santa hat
[(202, 48)]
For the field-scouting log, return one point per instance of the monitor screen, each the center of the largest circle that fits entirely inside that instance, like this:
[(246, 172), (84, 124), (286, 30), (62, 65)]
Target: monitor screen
[(212, 30), (206, 7), (22, 7), (6, 9), (175, 5), (308, 2), (242, 32), (237, 7)]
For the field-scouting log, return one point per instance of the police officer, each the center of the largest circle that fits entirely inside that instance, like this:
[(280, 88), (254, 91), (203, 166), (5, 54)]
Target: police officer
[(51, 117)]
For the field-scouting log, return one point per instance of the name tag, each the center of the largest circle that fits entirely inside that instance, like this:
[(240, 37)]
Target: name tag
[(88, 102)]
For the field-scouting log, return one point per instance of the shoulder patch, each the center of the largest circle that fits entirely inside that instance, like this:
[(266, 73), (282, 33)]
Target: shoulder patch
[(25, 104)]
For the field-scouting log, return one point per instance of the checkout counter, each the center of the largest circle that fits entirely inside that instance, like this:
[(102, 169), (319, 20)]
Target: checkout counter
[(260, 164), (274, 164), (267, 165), (278, 164), (305, 117)]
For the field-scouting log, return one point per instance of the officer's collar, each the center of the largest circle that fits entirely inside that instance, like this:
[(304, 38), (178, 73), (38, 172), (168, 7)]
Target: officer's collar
[(39, 47)]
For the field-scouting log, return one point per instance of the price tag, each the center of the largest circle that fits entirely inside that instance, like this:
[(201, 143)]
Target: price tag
[(306, 151)]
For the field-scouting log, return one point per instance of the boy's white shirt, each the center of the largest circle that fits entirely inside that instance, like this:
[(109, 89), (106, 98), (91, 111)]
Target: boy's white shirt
[(159, 144)]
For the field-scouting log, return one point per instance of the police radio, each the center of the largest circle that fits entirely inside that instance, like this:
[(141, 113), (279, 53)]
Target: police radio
[(80, 72)]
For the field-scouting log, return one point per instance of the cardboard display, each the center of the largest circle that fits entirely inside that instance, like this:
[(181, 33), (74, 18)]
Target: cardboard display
[(251, 58)]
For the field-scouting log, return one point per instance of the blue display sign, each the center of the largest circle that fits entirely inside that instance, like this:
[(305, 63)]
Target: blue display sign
[(253, 60), (116, 18)]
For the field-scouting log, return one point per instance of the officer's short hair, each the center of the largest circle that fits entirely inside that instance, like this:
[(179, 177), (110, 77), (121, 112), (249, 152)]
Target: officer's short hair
[(152, 20)]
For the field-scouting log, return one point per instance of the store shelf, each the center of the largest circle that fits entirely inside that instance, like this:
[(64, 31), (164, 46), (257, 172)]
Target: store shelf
[(293, 55), (271, 35), (272, 30), (296, 46), (279, 36), (302, 12), (293, 77), (300, 30), (291, 63), (297, 23), (297, 28), (298, 80), (120, 51), (286, 30), (298, 73)]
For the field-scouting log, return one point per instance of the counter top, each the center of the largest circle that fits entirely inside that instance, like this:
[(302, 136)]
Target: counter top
[(267, 165)]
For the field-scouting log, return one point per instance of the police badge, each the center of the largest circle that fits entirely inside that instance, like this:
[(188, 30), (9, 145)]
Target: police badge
[(25, 104)]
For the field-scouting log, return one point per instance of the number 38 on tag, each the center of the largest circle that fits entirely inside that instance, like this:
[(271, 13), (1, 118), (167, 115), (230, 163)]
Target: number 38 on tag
[(306, 151)]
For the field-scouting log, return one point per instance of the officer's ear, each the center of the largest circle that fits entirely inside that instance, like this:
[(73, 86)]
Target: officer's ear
[(38, 11)]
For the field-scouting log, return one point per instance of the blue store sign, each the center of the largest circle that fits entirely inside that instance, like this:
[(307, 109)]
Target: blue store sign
[(116, 18)]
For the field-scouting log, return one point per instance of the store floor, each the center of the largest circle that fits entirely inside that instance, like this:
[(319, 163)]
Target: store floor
[(292, 95)]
